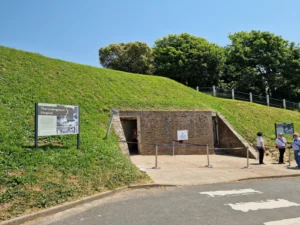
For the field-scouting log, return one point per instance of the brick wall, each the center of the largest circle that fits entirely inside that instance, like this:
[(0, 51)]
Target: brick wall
[(160, 127)]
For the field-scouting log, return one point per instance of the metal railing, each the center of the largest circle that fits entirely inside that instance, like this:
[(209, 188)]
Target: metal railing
[(243, 96)]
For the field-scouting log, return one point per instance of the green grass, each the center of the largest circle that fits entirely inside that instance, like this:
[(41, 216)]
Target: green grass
[(31, 180)]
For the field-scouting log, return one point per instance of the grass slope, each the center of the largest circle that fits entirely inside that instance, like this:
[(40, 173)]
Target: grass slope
[(57, 172)]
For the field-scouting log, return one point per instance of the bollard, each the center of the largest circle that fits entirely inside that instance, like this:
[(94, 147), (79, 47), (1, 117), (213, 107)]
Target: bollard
[(173, 149), (247, 158), (289, 156), (207, 152), (156, 152)]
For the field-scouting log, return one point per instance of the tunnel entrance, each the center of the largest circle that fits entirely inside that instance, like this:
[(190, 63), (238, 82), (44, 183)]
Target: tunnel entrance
[(129, 125)]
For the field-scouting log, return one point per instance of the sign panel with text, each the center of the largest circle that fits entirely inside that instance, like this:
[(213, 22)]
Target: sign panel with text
[(285, 128), (57, 119)]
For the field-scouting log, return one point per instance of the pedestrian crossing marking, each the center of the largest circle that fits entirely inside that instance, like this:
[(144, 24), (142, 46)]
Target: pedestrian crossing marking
[(294, 221), (231, 192), (269, 204)]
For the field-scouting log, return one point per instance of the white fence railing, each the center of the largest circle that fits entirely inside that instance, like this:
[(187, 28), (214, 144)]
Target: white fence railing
[(260, 99)]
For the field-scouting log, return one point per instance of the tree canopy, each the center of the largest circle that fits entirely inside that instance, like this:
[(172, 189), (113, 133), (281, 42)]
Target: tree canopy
[(262, 62), (188, 59), (135, 57)]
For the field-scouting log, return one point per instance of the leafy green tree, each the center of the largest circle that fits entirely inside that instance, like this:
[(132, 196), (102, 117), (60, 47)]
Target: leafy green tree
[(135, 57), (189, 60), (262, 62)]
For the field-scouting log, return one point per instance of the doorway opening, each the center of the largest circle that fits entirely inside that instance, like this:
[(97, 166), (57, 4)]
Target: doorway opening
[(129, 125)]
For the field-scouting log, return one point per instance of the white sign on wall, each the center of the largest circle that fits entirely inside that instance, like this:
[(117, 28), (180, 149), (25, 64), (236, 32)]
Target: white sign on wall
[(182, 135)]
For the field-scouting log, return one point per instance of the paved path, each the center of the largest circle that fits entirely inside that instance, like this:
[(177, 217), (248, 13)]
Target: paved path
[(191, 170), (268, 202)]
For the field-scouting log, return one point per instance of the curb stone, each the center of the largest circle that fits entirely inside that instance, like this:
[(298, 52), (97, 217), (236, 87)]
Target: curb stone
[(267, 177), (69, 205)]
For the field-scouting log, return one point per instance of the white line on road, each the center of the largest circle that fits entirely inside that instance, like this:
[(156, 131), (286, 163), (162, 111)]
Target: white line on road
[(294, 221), (230, 192), (269, 204)]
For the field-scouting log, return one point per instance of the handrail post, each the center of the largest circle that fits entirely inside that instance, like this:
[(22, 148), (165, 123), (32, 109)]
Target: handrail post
[(214, 90), (284, 104), (268, 100), (207, 152), (232, 93), (156, 152), (251, 98)]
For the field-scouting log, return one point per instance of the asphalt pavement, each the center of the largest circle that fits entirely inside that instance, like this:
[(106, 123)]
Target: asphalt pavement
[(266, 202)]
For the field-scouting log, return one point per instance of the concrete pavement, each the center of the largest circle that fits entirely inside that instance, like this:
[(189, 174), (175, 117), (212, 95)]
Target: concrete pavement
[(191, 170)]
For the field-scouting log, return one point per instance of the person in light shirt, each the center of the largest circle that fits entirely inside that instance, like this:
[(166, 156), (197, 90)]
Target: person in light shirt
[(260, 147), (296, 148), (281, 145)]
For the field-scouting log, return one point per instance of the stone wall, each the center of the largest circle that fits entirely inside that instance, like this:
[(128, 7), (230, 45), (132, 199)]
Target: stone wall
[(160, 127)]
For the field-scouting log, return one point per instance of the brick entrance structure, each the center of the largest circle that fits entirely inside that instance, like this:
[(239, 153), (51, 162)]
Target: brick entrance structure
[(160, 127)]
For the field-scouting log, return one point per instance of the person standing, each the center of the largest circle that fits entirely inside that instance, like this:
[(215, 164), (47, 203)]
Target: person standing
[(281, 145), (296, 148), (260, 147)]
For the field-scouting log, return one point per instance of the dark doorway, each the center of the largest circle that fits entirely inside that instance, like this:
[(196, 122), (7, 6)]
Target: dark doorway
[(130, 131)]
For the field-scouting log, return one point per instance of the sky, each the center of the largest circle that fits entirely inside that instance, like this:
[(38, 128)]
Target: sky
[(74, 30)]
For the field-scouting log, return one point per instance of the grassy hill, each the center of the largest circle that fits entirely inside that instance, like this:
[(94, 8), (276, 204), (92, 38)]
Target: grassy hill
[(58, 172)]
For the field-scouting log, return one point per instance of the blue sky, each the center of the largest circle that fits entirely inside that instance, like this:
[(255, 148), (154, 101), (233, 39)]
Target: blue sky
[(74, 30)]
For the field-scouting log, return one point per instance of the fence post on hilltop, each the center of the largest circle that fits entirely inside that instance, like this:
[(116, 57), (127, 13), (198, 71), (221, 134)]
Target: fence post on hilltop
[(284, 104), (250, 95), (232, 93), (197, 88), (268, 100), (214, 90), (299, 106)]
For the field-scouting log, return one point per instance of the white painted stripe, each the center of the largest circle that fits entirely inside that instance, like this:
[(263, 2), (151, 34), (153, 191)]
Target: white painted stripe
[(295, 221), (230, 192), (269, 204)]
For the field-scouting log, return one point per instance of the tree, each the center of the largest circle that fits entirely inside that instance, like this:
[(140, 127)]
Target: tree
[(261, 62), (188, 59), (134, 57)]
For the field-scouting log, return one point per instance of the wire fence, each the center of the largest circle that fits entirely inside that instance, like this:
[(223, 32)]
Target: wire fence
[(243, 96)]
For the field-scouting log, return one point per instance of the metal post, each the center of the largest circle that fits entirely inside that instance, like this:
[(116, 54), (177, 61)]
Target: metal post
[(299, 105), (36, 135), (113, 113), (207, 152), (173, 149), (268, 100), (214, 91), (78, 135), (251, 98), (156, 152), (232, 93), (284, 104), (197, 88), (289, 157), (247, 157)]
